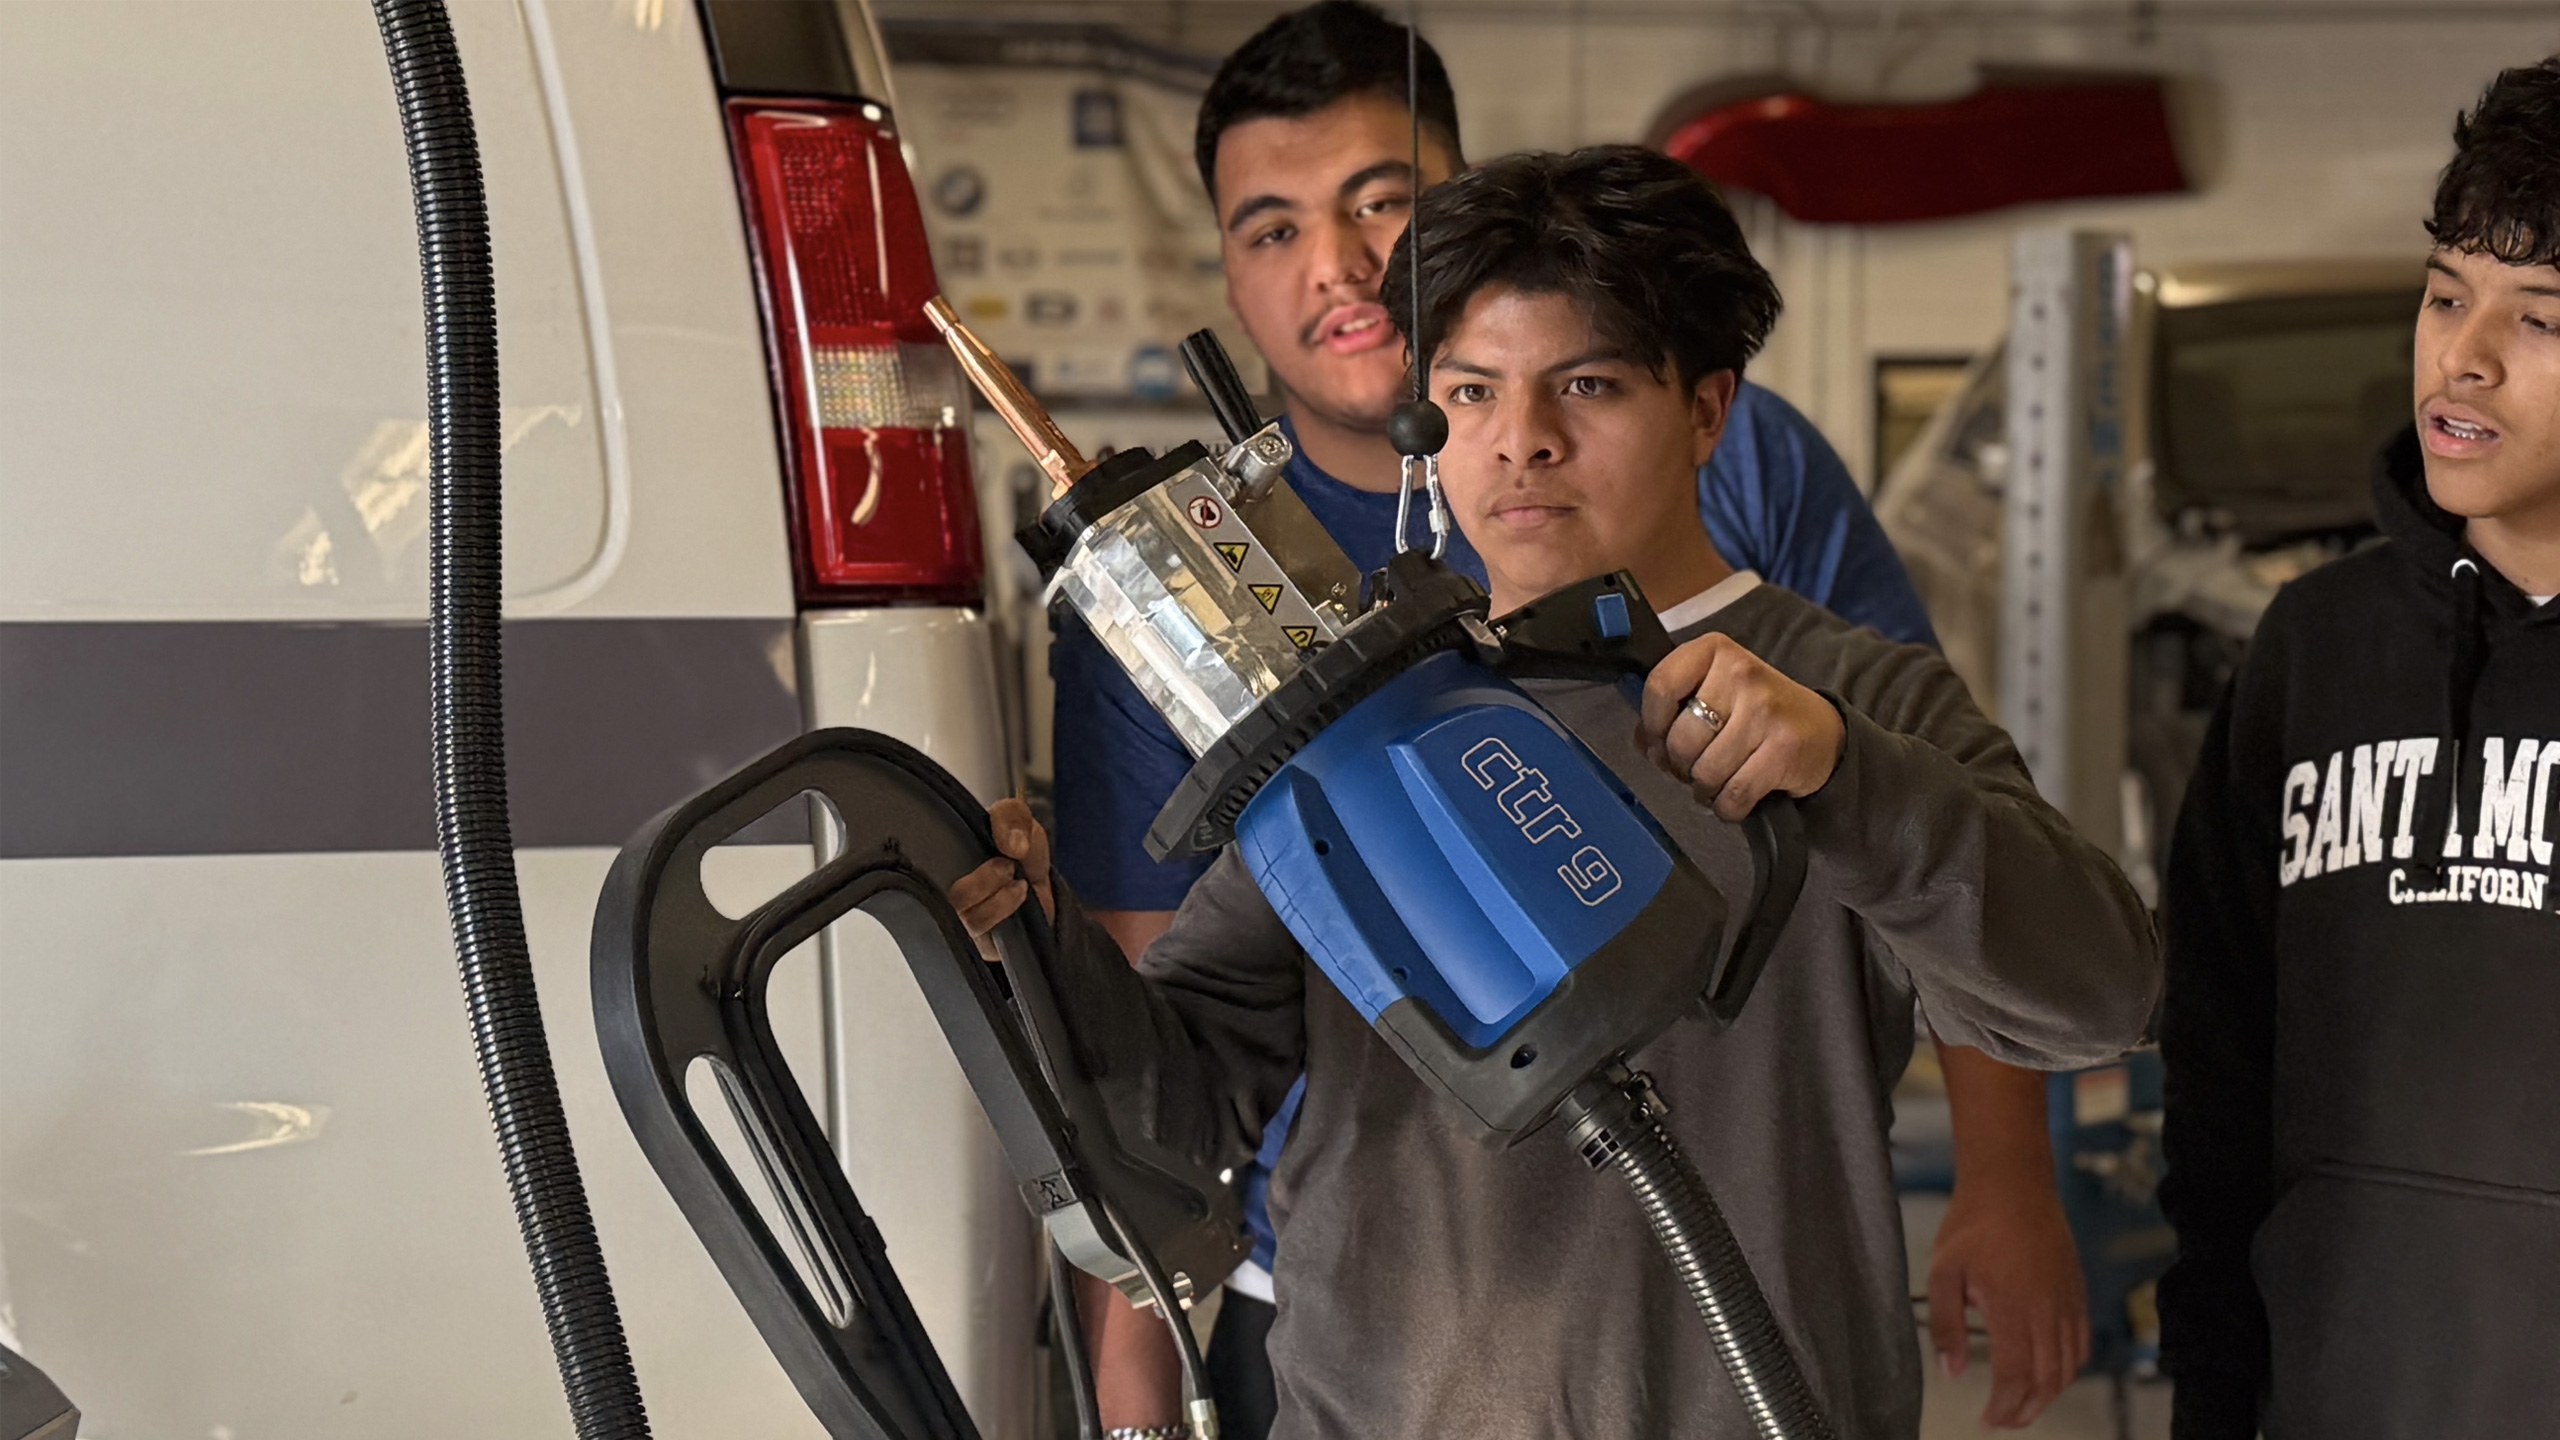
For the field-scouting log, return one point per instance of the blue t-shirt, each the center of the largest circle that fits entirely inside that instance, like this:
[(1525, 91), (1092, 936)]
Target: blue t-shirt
[(1775, 498)]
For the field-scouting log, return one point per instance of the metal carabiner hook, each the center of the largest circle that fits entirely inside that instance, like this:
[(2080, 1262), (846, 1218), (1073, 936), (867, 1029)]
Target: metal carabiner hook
[(1404, 503), (1418, 429), (1439, 507), (1438, 516)]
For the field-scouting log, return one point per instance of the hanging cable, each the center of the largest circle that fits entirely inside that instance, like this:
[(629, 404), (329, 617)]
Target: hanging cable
[(464, 578), (1418, 428), (1200, 1410), (1067, 1330), (1614, 1120), (1199, 1405), (1413, 119)]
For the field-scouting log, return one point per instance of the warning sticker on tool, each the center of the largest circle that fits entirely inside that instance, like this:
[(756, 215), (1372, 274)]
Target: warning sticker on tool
[(1301, 636), (1269, 595), (1206, 513), (1234, 556)]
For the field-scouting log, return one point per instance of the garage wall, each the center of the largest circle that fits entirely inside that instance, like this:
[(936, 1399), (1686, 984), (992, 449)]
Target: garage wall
[(2309, 129), (2314, 136)]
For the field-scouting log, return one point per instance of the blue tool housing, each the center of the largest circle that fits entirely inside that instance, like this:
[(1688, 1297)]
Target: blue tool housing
[(1447, 841), (1482, 889)]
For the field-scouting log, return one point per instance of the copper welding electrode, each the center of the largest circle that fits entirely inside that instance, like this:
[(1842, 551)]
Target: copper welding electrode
[(1050, 448)]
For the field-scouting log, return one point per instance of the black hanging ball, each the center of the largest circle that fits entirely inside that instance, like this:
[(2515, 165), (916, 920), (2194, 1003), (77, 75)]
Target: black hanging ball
[(1418, 428)]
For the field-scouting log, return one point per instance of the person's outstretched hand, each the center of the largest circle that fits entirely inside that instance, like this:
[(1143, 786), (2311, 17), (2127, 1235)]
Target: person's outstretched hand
[(2006, 1251), (987, 896), (1751, 732)]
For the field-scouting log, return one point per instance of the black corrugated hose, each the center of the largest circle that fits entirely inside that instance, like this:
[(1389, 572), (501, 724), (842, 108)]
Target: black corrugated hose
[(1615, 1120), (472, 833)]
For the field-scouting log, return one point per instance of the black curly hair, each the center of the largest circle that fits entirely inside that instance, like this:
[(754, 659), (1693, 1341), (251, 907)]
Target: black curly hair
[(1310, 59), (1631, 233), (2500, 196)]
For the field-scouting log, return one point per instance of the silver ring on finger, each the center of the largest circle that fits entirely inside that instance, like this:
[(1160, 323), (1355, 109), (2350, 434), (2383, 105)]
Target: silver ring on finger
[(1704, 713)]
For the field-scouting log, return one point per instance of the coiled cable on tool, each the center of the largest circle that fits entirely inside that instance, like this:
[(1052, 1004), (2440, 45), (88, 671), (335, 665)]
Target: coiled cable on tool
[(1199, 1409), (1616, 1121), (1068, 1324), (472, 833)]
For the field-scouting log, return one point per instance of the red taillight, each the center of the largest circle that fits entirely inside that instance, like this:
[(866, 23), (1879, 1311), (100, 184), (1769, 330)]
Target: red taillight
[(874, 411)]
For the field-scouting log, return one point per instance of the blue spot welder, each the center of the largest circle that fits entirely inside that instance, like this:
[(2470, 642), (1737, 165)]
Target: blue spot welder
[(1503, 911), (1480, 887)]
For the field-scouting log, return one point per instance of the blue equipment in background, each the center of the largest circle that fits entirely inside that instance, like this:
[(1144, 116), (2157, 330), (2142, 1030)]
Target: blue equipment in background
[(2105, 1124)]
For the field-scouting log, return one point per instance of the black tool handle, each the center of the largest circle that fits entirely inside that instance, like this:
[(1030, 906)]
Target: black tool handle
[(675, 982), (1775, 831), (1216, 376), (1561, 635)]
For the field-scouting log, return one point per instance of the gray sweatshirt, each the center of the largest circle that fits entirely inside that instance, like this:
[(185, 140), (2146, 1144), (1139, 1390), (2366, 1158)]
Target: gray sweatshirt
[(1429, 1285)]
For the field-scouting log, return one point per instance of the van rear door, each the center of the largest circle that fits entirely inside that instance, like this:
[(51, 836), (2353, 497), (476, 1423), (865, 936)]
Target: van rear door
[(246, 1181)]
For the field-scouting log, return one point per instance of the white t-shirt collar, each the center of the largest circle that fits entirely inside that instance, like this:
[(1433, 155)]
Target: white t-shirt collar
[(1708, 601)]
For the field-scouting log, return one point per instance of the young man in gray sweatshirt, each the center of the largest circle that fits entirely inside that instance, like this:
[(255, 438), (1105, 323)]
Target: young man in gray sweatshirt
[(1586, 319)]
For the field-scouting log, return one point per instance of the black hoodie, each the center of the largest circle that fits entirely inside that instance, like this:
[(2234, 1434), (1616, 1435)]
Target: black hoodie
[(2362, 1027)]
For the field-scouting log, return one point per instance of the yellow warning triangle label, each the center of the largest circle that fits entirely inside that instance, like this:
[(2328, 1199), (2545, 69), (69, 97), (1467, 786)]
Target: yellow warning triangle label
[(1233, 555), (1269, 595), (1301, 636)]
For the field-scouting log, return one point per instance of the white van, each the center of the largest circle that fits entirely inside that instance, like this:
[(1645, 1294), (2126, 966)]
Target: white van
[(247, 1185)]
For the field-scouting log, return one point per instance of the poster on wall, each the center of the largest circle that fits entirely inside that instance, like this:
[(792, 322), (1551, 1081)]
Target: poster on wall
[(1068, 221)]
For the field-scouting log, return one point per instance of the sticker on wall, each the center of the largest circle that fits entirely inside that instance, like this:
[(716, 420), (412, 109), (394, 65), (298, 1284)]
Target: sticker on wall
[(960, 190), (1153, 373), (1049, 307), (1065, 151), (1080, 369), (1097, 120)]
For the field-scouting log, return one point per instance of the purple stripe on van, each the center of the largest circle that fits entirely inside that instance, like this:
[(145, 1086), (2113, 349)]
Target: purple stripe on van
[(211, 738)]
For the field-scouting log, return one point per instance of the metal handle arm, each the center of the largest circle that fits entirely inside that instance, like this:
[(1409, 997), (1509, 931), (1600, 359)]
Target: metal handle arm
[(676, 983)]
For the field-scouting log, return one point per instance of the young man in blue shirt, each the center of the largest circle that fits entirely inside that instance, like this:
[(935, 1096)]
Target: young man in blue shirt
[(1305, 143)]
